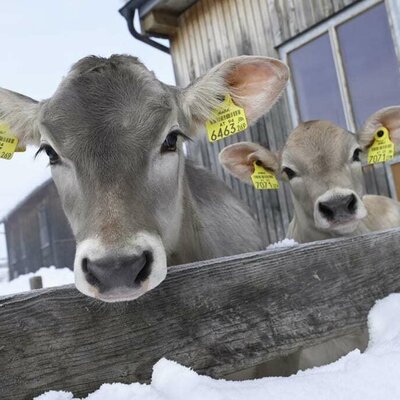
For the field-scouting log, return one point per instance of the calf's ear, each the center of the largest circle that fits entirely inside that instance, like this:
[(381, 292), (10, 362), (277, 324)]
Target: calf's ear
[(386, 117), (238, 159), (254, 83), (20, 113)]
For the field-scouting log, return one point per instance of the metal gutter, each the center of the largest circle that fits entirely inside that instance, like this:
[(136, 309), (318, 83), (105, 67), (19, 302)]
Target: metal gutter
[(128, 11), (147, 6)]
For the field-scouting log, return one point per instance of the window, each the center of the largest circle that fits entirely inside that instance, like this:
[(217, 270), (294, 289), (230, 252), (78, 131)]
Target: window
[(369, 63), (396, 177), (316, 83), (346, 69)]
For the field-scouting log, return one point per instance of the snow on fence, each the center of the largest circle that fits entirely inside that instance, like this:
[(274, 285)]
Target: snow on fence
[(218, 316)]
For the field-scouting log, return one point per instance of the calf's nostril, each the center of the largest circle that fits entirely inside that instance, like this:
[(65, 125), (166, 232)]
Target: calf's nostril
[(338, 208), (85, 265), (326, 210), (117, 272), (144, 272), (89, 275), (352, 203)]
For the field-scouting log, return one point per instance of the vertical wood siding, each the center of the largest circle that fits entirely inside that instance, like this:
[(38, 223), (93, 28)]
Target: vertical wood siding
[(213, 30), (23, 232)]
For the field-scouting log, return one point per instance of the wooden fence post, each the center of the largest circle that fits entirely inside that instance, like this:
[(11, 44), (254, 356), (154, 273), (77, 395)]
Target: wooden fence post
[(36, 282)]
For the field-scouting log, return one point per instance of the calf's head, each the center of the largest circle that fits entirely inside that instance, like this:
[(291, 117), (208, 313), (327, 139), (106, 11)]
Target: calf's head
[(322, 163), (113, 134)]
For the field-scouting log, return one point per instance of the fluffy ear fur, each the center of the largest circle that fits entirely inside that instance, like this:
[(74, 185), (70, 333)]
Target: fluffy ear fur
[(238, 159), (386, 117), (20, 113), (254, 83)]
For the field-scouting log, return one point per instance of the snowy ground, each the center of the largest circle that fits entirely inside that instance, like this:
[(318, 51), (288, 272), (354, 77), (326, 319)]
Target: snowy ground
[(3, 275), (373, 375), (51, 276)]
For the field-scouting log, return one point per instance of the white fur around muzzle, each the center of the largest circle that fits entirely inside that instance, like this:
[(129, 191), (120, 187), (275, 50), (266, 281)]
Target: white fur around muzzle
[(343, 228), (94, 249)]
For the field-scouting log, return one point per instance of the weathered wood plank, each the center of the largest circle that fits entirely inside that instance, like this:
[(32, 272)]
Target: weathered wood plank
[(217, 316), (158, 22)]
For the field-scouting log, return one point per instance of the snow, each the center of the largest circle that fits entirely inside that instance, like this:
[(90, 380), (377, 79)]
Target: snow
[(51, 276), (282, 243), (3, 275), (373, 375)]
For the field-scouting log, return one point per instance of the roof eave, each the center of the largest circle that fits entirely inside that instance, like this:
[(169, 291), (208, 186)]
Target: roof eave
[(159, 18)]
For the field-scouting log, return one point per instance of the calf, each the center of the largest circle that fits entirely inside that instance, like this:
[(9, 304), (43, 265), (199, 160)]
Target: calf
[(113, 134), (322, 163)]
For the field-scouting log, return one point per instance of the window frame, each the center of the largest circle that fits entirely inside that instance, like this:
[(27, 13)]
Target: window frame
[(329, 27), (389, 173)]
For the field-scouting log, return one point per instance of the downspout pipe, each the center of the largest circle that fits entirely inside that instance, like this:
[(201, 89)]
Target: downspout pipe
[(128, 11)]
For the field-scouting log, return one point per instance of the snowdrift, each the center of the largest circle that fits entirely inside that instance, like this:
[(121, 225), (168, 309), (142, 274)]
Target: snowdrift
[(373, 375), (51, 276)]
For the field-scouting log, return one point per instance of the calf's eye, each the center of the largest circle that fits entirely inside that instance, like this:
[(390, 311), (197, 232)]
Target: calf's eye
[(356, 155), (51, 153), (170, 142), (289, 172)]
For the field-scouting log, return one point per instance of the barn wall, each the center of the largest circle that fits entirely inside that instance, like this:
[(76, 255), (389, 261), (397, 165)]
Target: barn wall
[(23, 240), (62, 238), (25, 250), (212, 31)]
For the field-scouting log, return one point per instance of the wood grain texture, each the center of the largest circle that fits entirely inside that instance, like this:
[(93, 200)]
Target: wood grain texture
[(218, 316)]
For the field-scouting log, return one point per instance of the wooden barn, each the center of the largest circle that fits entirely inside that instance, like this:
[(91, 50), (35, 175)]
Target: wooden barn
[(342, 70), (343, 56), (38, 234)]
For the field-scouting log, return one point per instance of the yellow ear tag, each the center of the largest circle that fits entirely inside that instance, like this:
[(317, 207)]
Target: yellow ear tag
[(382, 149), (226, 120), (263, 179), (8, 143)]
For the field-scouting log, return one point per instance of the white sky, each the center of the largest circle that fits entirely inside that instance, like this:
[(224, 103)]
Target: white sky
[(40, 40)]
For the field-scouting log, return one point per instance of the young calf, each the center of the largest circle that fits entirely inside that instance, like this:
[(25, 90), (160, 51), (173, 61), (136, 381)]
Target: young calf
[(322, 163), (113, 134)]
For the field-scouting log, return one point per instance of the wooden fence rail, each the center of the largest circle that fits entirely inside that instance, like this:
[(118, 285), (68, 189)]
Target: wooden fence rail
[(218, 316)]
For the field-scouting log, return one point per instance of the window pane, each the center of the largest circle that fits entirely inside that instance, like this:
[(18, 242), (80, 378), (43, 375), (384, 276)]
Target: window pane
[(315, 82), (369, 62)]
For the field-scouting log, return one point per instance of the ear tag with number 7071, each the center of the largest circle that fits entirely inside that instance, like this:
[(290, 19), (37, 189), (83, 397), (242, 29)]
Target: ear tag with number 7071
[(263, 179), (382, 149), (227, 119)]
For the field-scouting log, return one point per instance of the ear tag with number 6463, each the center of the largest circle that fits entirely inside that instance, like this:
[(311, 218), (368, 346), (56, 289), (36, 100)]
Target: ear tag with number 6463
[(263, 179), (382, 149), (8, 143), (226, 120)]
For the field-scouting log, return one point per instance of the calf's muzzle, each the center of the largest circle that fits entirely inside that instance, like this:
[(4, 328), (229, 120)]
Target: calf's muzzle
[(110, 273), (338, 208)]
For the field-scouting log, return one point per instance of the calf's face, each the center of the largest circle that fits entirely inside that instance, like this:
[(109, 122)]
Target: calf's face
[(113, 134), (114, 139), (322, 164)]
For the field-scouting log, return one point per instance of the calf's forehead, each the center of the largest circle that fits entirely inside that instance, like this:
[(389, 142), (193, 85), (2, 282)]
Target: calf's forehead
[(318, 146), (115, 100)]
